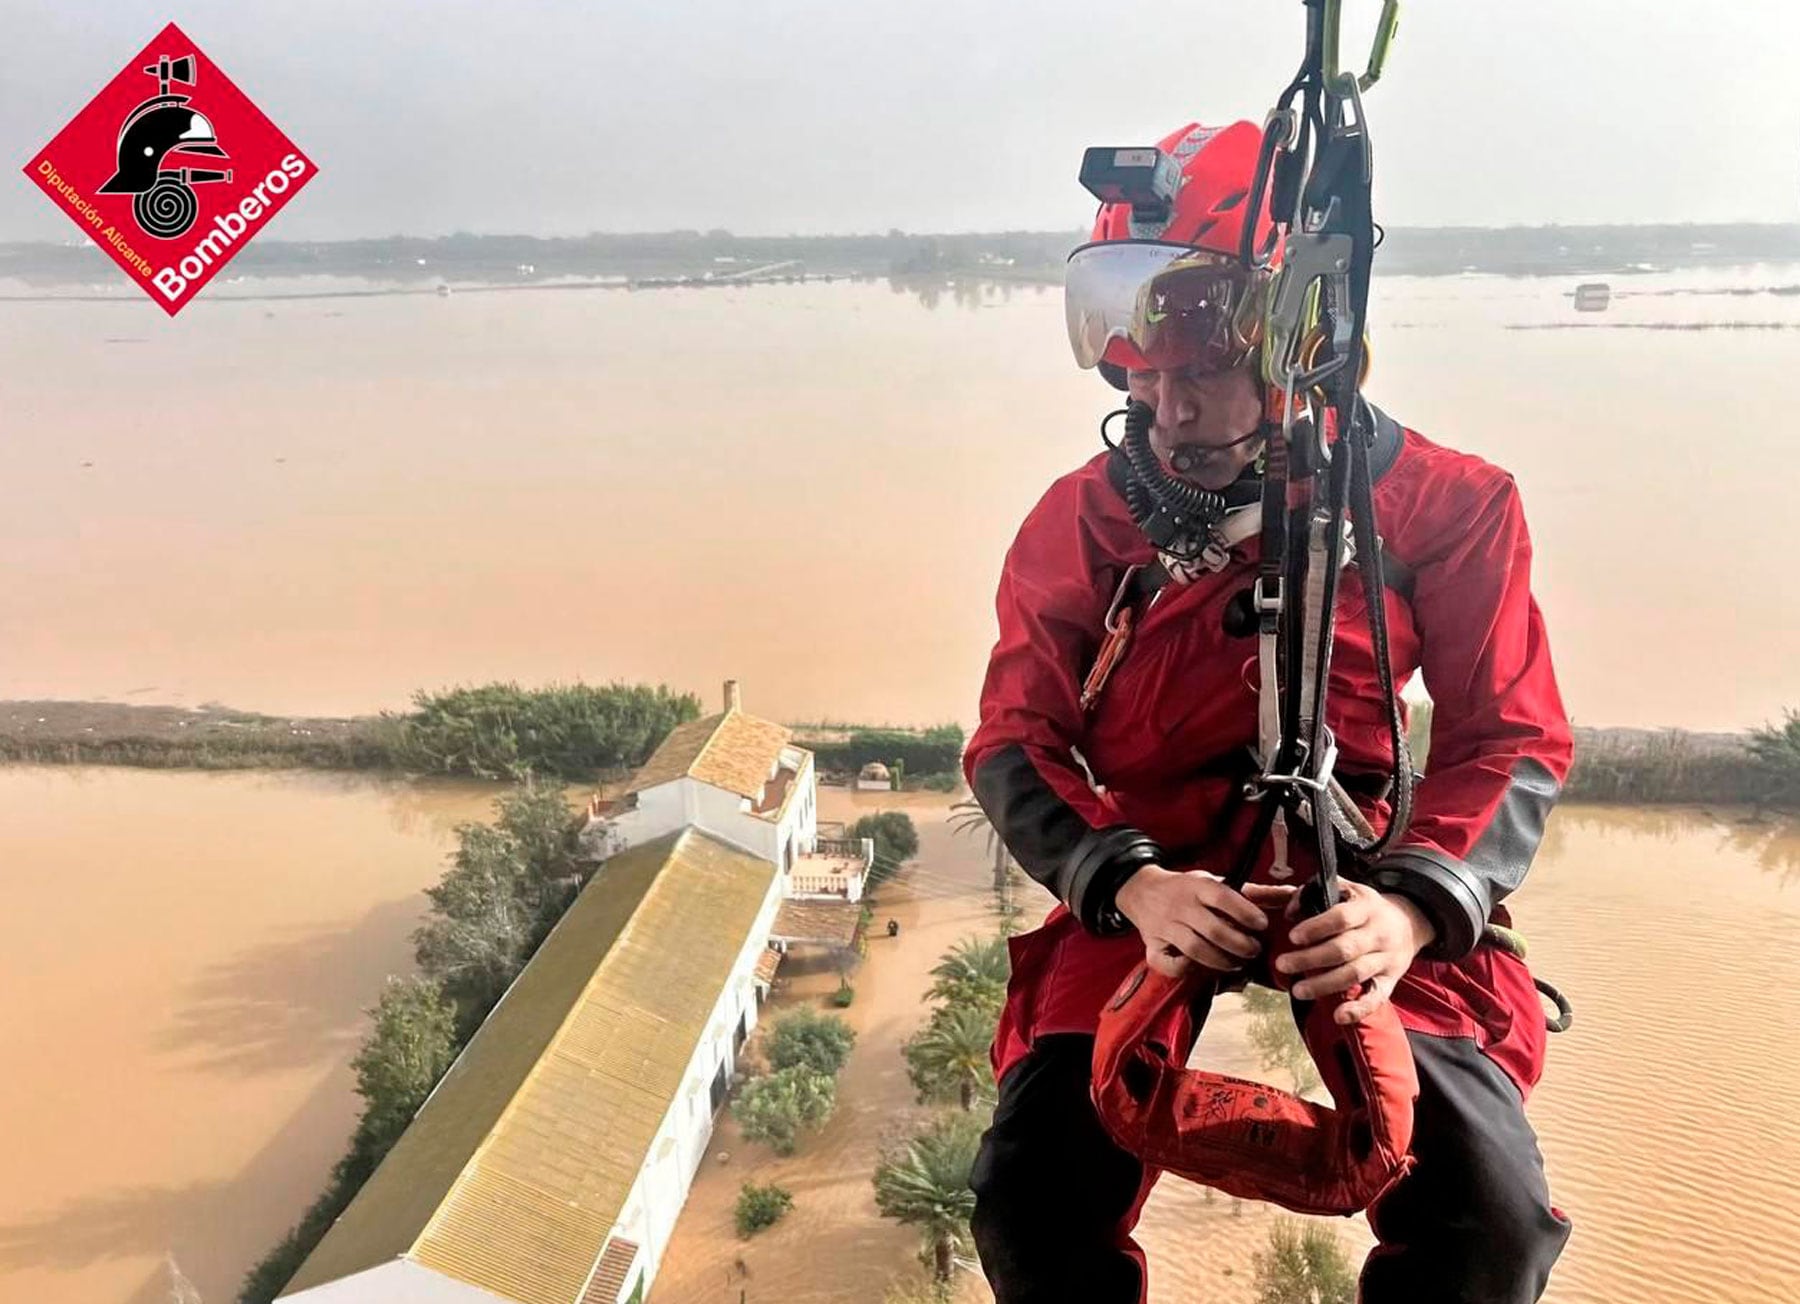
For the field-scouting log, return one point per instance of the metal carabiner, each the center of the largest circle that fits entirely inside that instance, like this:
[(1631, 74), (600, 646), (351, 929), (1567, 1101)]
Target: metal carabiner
[(1111, 623), (1385, 28)]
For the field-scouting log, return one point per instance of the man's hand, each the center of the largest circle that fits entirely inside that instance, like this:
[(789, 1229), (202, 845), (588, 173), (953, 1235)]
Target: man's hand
[(1367, 937), (1193, 918)]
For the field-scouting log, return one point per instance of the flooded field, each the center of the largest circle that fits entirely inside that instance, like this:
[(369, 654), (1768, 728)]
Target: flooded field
[(810, 487), (187, 958)]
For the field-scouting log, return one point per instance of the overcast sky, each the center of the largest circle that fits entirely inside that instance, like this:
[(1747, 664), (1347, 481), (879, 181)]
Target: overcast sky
[(778, 116)]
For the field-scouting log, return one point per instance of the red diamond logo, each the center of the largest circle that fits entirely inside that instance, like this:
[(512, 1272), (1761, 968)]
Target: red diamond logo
[(171, 169)]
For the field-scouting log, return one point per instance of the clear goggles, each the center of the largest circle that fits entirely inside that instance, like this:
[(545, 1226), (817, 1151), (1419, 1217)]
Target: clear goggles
[(1145, 305)]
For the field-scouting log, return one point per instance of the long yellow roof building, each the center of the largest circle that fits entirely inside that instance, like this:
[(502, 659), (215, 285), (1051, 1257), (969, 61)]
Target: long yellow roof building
[(513, 1174)]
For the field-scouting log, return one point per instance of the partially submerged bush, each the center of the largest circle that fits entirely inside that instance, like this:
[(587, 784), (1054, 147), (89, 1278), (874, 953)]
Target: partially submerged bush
[(776, 1108), (759, 1207), (807, 1038)]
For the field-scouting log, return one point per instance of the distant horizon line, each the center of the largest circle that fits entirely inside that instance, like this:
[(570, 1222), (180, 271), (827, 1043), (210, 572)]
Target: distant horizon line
[(725, 233)]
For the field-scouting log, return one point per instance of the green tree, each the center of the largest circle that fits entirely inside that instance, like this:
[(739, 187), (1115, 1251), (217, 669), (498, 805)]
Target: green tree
[(810, 1039), (502, 731), (481, 926), (1278, 1044), (777, 1107), (1304, 1264), (896, 841), (405, 1054), (545, 837), (974, 970), (925, 1184), (1777, 752), (948, 1057), (967, 818), (917, 1292), (507, 885), (412, 1043), (759, 1207)]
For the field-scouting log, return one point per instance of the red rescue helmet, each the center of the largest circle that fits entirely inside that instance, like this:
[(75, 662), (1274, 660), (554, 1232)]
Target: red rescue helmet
[(1163, 286)]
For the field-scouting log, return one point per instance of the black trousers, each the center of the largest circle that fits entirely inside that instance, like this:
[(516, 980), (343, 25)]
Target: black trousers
[(1471, 1224)]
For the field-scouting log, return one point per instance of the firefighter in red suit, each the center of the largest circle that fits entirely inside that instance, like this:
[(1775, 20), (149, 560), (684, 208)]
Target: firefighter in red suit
[(1125, 802)]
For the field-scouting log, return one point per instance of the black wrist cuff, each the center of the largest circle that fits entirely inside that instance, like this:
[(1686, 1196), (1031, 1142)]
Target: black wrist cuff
[(1098, 864), (1453, 899)]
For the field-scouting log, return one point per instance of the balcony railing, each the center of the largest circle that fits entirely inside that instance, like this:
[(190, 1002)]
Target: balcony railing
[(862, 849), (802, 883)]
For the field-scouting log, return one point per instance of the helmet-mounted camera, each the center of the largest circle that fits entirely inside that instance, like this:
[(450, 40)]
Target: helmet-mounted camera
[(1143, 177)]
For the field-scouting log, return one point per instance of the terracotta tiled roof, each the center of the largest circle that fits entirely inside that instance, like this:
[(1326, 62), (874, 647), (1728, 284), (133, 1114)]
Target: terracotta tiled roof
[(825, 923), (609, 1278), (733, 751), (766, 965), (513, 1173)]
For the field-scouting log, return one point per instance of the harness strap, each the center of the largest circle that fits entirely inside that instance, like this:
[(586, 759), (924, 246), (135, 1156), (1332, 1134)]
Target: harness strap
[(1141, 583)]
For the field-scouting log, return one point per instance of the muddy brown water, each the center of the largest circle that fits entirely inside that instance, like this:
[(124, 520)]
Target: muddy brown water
[(188, 955), (1676, 933), (809, 488), (186, 959), (318, 506)]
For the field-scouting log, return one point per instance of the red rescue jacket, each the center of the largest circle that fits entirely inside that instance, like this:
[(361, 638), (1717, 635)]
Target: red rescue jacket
[(1084, 797)]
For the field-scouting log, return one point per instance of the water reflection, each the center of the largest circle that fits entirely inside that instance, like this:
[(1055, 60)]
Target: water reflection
[(969, 292), (289, 1002), (189, 957), (1771, 842)]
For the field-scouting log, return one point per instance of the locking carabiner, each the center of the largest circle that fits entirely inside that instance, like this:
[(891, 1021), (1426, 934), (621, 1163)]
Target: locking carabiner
[(1385, 27)]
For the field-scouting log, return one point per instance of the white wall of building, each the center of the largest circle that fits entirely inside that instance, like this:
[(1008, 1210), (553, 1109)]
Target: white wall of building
[(671, 806), (660, 811)]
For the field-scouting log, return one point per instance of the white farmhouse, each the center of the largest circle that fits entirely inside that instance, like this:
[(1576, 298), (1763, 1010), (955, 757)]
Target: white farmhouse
[(550, 1164)]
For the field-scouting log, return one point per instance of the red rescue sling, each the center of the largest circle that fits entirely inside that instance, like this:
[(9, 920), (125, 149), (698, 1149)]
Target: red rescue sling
[(1249, 1139)]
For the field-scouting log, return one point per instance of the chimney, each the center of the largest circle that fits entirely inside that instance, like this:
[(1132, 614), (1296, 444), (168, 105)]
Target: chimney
[(732, 701)]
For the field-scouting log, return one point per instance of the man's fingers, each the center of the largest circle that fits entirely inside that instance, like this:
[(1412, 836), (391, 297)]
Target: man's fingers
[(1214, 895), (1328, 954), (1342, 978), (1221, 932), (1363, 1006), (1341, 918), (1198, 948), (1167, 964)]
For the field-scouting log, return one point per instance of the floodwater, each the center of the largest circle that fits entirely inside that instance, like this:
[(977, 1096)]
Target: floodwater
[(322, 505), (186, 958), (1675, 933)]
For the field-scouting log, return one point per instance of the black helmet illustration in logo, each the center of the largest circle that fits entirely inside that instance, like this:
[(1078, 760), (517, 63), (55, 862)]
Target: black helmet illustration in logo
[(164, 203)]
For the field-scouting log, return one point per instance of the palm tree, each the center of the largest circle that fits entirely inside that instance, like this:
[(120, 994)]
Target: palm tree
[(925, 1184), (967, 816), (976, 968), (950, 1053)]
